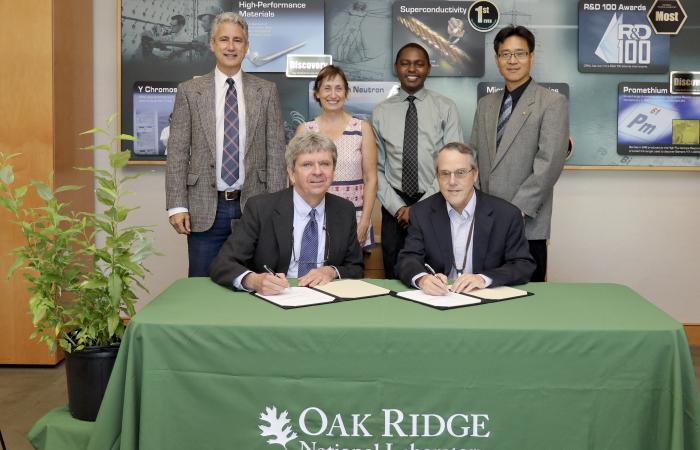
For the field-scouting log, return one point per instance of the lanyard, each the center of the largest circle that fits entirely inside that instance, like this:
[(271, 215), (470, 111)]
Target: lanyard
[(466, 250)]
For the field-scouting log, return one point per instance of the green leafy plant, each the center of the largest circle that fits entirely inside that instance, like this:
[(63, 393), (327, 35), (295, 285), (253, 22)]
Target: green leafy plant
[(80, 285)]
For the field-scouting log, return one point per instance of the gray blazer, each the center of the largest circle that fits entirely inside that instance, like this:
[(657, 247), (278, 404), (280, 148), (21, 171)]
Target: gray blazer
[(190, 179), (531, 156)]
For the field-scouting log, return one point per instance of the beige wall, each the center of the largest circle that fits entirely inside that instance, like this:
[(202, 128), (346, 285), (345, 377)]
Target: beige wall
[(635, 228)]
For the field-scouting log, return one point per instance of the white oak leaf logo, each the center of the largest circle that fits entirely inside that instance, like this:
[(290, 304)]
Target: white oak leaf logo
[(277, 426)]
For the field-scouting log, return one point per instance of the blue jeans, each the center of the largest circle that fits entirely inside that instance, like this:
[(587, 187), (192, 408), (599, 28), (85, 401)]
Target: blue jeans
[(203, 247)]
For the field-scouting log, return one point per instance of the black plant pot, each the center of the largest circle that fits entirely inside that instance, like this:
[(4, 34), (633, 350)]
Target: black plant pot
[(87, 373)]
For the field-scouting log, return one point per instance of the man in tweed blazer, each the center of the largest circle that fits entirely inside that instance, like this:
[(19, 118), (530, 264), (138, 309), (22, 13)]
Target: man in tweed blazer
[(521, 136), (200, 203)]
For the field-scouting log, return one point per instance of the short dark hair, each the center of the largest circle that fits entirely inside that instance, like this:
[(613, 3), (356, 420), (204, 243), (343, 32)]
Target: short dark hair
[(512, 30), (179, 18), (416, 46), (328, 72)]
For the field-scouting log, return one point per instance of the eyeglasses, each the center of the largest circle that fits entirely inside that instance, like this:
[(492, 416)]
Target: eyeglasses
[(520, 55), (460, 174)]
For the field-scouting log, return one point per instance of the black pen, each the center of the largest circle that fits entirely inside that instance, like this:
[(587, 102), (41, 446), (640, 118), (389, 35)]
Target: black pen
[(270, 271), (433, 273)]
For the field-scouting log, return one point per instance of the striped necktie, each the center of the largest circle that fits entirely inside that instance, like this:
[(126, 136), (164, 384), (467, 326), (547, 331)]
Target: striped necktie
[(506, 110), (229, 160)]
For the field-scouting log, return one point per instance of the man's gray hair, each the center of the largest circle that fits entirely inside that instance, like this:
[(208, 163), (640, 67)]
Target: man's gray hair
[(229, 17), (459, 147), (309, 142)]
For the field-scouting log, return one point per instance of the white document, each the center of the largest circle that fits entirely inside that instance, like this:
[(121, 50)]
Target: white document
[(451, 300), (293, 297)]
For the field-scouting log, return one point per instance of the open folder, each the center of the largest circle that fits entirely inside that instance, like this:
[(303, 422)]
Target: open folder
[(453, 300), (352, 289)]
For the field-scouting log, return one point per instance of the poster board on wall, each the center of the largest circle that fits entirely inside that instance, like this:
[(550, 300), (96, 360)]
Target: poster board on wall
[(358, 35)]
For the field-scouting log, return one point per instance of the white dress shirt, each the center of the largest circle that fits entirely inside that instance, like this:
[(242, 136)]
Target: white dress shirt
[(220, 88)]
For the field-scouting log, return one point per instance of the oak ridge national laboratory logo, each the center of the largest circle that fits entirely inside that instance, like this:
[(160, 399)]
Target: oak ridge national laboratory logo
[(277, 426), (386, 429)]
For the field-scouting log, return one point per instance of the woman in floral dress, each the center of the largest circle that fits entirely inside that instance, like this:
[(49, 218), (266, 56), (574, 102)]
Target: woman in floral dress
[(355, 176)]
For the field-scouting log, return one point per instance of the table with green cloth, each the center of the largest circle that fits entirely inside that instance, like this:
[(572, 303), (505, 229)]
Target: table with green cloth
[(58, 430), (575, 366)]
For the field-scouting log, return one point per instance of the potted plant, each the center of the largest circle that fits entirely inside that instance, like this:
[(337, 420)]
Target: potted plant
[(81, 269)]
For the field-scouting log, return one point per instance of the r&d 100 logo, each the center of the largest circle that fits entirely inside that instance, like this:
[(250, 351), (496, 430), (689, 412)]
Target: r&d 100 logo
[(625, 43), (615, 37)]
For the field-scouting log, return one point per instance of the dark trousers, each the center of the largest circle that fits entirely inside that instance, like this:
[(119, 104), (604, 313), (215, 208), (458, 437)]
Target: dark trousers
[(393, 236), (203, 247), (538, 250)]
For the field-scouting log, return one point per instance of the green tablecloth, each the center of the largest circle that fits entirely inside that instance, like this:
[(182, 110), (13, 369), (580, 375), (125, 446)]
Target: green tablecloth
[(58, 430), (576, 366)]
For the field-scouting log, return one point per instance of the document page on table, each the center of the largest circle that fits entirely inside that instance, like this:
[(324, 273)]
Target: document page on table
[(497, 293), (350, 289), (451, 300), (298, 296)]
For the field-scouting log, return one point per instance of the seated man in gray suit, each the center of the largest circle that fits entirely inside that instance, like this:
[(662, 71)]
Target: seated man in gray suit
[(462, 234), (301, 232)]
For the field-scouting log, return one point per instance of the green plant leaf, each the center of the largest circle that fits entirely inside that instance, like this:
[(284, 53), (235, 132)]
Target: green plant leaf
[(6, 175), (111, 118), (93, 131), (125, 137), (43, 190), (119, 159), (114, 286), (68, 187), (21, 191), (19, 262), (112, 323)]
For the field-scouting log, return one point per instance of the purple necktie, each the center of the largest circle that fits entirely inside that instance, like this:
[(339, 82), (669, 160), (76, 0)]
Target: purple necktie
[(229, 160)]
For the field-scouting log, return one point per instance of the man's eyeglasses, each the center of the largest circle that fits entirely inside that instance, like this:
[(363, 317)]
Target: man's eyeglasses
[(460, 174), (520, 55)]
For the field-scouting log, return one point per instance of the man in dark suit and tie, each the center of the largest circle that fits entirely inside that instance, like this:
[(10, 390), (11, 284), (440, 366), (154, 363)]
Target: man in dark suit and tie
[(463, 234), (521, 135), (301, 232), (226, 145)]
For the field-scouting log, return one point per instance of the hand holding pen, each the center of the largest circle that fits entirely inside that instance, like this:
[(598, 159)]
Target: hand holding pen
[(268, 283), (433, 284)]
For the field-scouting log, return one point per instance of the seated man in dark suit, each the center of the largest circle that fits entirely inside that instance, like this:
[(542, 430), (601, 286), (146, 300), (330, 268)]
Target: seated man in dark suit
[(300, 232), (462, 234)]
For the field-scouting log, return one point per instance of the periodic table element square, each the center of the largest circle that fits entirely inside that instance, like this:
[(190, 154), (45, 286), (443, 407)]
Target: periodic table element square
[(646, 123)]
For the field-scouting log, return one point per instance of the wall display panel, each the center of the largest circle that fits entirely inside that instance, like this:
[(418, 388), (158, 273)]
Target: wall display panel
[(616, 37), (358, 35), (276, 29), (442, 28)]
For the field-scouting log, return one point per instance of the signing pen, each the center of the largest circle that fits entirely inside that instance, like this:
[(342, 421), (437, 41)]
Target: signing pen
[(270, 271)]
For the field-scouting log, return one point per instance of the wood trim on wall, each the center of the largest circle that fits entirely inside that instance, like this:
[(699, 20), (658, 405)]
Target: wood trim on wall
[(692, 331)]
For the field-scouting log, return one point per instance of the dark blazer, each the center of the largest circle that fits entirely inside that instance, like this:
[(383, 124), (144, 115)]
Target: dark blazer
[(264, 237), (190, 175), (500, 251)]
